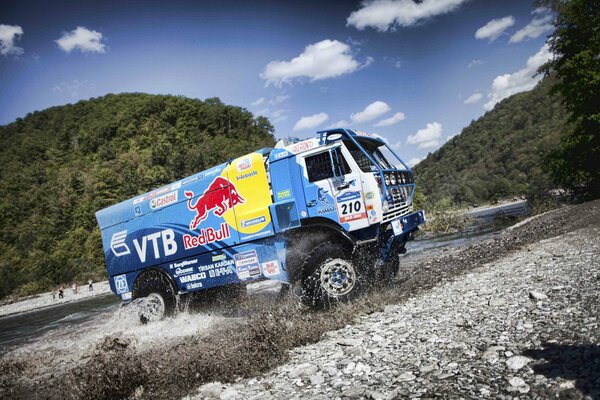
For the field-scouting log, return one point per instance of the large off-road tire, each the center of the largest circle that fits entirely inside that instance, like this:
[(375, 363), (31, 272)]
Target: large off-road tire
[(156, 296), (330, 275)]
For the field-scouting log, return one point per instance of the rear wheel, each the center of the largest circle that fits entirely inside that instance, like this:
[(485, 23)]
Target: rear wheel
[(155, 297), (330, 275)]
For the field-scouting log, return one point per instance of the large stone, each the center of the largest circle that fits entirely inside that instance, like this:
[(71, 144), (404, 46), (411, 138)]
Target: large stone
[(211, 390), (535, 295), (230, 394), (515, 363), (303, 370), (354, 392)]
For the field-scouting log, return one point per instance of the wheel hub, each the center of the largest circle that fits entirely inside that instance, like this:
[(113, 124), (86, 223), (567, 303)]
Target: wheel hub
[(153, 307), (338, 277)]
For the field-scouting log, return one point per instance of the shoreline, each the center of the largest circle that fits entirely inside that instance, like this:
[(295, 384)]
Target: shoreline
[(45, 300)]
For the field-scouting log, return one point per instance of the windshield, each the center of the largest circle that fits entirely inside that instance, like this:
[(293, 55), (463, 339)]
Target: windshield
[(380, 153)]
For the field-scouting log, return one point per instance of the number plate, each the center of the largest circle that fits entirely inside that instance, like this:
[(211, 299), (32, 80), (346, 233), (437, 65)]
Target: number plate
[(350, 207)]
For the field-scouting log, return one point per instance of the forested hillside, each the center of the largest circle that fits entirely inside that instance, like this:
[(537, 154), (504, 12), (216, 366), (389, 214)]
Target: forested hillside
[(61, 165), (500, 154)]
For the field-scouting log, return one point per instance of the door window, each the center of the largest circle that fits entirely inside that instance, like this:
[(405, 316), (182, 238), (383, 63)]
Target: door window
[(324, 166)]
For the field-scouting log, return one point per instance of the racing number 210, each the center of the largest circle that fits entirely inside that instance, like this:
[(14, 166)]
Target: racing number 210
[(351, 207)]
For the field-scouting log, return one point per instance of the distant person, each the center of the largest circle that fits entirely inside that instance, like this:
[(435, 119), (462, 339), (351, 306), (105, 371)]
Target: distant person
[(53, 294), (61, 292), (90, 286)]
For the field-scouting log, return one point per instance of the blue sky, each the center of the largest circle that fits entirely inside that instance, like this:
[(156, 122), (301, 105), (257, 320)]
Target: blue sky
[(415, 73)]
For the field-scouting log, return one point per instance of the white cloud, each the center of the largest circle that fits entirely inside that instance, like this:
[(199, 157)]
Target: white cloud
[(474, 98), (310, 121), (258, 102), (279, 115), (475, 63), (9, 34), (538, 26), (372, 111), (279, 99), (519, 81), (387, 14), (428, 137), (399, 116), (414, 161), (339, 124), (325, 59), (82, 39), (494, 28), (73, 88)]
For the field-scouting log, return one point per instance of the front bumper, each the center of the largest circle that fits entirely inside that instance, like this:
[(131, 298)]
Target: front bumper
[(408, 223)]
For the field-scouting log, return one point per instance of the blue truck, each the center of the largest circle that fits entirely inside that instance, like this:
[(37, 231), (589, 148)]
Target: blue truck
[(325, 215)]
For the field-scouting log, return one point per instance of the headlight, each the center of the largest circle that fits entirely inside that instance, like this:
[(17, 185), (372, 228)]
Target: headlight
[(385, 206), (393, 180), (387, 179)]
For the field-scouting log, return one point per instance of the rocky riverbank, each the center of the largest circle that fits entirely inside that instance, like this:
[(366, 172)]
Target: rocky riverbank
[(514, 316), (525, 326)]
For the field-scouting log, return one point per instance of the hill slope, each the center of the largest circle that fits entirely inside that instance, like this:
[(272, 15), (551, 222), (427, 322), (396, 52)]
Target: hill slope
[(500, 154), (61, 165)]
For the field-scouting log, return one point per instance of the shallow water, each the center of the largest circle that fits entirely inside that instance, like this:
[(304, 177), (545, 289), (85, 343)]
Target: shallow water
[(77, 325)]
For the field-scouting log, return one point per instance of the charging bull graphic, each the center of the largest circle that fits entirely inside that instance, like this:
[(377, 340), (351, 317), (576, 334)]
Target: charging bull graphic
[(219, 196)]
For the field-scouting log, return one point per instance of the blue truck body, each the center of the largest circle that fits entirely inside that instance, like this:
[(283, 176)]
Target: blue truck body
[(236, 222)]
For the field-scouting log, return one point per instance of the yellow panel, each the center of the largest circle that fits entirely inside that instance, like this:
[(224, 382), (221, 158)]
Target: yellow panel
[(249, 180)]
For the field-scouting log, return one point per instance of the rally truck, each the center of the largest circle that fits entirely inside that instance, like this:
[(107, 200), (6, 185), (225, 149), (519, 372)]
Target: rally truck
[(324, 215)]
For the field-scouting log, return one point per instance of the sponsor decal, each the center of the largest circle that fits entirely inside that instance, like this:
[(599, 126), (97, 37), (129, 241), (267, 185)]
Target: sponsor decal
[(370, 207), (191, 179), (118, 245), (256, 235), (192, 277), (193, 285), (182, 264), (369, 195), (163, 200), (281, 155), (137, 210), (253, 221), (303, 146), (350, 207), (139, 200), (183, 271), (325, 210), (244, 164), (217, 269), (220, 196), (176, 186), (152, 194), (322, 196), (284, 194), (166, 237), (246, 175), (303, 214), (121, 285), (270, 268), (206, 236), (219, 257), (246, 264), (162, 190)]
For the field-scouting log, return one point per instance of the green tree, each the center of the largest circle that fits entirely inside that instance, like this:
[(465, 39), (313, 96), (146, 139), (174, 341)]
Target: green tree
[(576, 47)]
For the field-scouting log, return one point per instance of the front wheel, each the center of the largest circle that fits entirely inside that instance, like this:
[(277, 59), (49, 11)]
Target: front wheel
[(154, 296), (330, 275)]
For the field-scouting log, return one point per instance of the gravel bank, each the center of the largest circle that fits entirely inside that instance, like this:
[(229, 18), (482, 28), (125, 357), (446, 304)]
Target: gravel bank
[(525, 326)]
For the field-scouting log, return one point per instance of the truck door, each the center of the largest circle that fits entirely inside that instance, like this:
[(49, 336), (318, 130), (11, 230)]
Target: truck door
[(333, 189)]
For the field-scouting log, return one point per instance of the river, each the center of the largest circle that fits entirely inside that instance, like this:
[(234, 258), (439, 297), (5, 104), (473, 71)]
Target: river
[(20, 329)]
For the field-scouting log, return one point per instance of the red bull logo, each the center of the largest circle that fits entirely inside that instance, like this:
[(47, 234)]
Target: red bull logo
[(220, 196)]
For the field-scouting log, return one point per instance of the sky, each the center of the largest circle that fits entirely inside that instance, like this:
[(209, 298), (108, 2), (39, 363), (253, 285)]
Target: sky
[(415, 73)]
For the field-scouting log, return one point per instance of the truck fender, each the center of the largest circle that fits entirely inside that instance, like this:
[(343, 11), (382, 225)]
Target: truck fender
[(300, 242)]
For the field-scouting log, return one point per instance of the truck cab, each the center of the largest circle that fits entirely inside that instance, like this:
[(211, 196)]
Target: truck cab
[(326, 215)]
